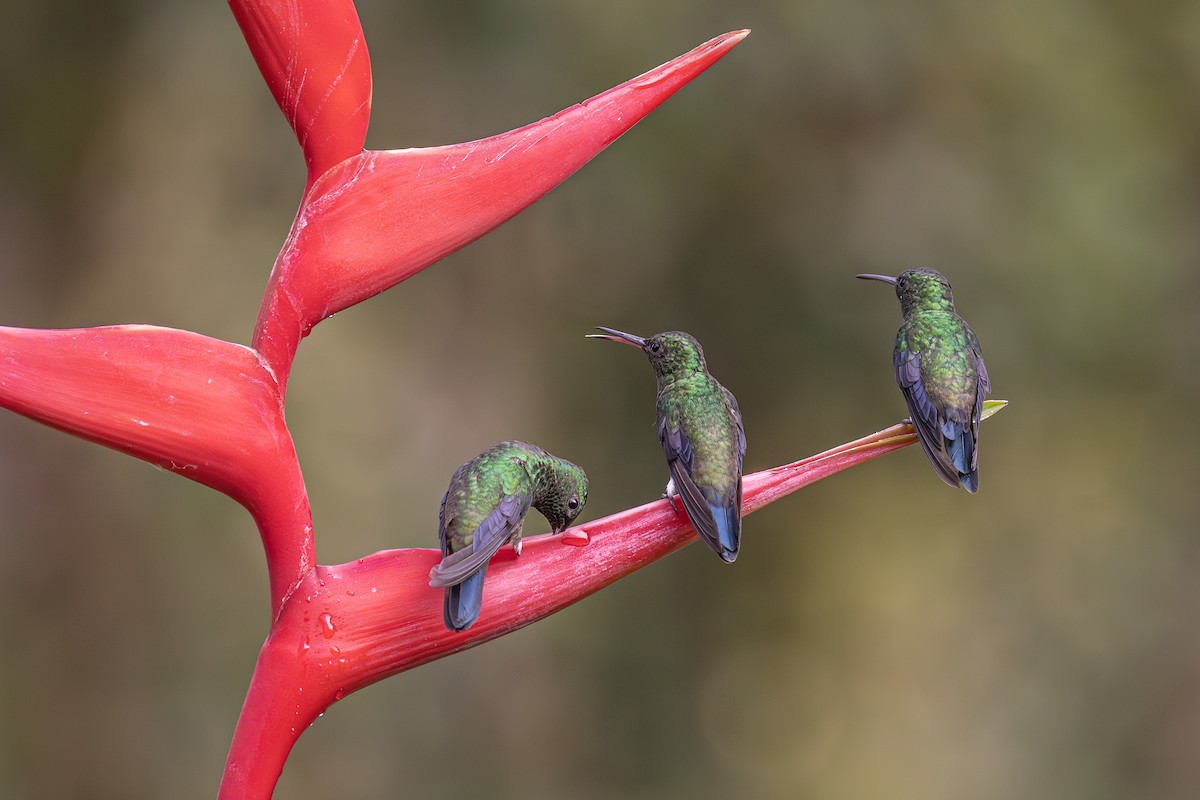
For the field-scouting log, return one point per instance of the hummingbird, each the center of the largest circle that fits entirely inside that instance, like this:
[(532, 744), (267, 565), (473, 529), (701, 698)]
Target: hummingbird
[(939, 367), (485, 507), (700, 428)]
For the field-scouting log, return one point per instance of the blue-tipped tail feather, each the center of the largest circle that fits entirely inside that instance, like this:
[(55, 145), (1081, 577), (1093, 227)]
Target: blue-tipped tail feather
[(463, 603), (729, 531)]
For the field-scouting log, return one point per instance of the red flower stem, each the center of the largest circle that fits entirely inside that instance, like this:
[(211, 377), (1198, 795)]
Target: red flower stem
[(314, 59), (350, 625)]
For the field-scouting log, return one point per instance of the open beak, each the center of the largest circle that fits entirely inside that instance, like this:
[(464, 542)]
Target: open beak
[(614, 335), (884, 278)]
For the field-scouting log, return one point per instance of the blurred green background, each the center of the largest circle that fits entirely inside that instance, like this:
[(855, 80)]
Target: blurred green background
[(880, 636)]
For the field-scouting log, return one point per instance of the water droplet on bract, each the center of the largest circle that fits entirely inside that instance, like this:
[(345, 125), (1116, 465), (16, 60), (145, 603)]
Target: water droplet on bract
[(576, 537), (327, 627), (350, 592), (339, 694)]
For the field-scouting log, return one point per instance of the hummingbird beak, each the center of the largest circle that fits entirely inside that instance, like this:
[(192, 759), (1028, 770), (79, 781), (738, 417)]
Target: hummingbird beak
[(884, 278), (614, 335)]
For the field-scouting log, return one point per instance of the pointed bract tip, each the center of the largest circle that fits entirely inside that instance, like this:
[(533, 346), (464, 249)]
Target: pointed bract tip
[(867, 276)]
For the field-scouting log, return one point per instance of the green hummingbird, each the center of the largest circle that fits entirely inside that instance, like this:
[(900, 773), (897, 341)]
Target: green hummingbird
[(939, 367), (700, 428), (485, 507)]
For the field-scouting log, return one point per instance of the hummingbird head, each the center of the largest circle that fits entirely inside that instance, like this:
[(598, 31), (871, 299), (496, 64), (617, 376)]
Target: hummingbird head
[(919, 290), (671, 353), (563, 495)]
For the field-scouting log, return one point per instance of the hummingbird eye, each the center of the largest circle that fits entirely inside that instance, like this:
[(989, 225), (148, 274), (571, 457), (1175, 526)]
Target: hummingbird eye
[(655, 347), (573, 503)]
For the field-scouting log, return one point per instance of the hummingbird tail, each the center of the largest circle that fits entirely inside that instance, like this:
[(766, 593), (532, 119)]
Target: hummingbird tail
[(960, 447), (463, 603), (729, 531)]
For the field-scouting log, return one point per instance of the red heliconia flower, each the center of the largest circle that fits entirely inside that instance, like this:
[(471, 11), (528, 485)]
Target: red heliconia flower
[(212, 411)]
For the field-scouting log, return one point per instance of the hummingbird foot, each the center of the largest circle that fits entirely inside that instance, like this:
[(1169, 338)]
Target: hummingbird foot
[(669, 494)]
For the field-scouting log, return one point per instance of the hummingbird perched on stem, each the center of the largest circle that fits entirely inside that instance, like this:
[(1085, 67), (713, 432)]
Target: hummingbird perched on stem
[(485, 507), (700, 428), (939, 367)]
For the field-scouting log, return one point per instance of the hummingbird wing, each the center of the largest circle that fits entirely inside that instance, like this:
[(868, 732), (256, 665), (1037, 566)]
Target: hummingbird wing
[(735, 524), (970, 476), (924, 413), (734, 411), (496, 529), (718, 524)]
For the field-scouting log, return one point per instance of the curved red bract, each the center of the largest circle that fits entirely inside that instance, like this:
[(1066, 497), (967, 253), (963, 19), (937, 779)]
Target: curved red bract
[(200, 407), (379, 217), (350, 625)]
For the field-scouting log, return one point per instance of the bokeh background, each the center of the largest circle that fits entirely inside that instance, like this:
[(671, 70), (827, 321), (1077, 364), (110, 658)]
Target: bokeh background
[(880, 636)]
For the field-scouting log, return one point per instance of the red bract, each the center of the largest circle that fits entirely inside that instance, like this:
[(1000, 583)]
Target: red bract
[(200, 407), (381, 216), (350, 625)]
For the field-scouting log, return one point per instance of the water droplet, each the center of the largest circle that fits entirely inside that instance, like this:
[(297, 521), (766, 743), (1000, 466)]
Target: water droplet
[(337, 651), (350, 592), (576, 537), (327, 627), (339, 694)]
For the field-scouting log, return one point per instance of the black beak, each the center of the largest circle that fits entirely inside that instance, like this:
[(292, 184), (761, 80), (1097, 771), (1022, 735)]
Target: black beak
[(884, 278), (614, 335)]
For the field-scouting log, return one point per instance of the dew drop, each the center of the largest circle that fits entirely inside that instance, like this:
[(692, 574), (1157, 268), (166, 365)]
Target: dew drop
[(327, 627), (339, 694)]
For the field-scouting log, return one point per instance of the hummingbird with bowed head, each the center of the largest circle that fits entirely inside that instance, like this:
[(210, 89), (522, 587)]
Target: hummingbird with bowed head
[(485, 507)]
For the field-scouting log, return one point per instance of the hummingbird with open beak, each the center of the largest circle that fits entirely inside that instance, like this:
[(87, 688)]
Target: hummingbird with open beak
[(700, 428)]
